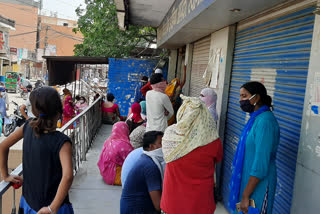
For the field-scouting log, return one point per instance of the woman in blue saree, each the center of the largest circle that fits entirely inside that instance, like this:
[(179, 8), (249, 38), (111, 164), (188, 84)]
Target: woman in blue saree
[(254, 165)]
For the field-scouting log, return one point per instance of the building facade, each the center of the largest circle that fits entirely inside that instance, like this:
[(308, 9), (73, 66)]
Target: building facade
[(36, 36), (60, 37), (25, 13), (6, 26), (23, 41), (226, 43)]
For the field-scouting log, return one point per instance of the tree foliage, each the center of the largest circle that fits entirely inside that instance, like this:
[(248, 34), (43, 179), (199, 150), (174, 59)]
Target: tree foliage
[(102, 37)]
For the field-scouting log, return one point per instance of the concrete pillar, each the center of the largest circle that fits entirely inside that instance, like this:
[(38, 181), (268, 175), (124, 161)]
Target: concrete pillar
[(172, 64), (223, 39), (179, 65), (1, 67), (307, 180), (188, 59)]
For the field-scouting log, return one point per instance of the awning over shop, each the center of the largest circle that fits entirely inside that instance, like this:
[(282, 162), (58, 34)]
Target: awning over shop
[(62, 69), (185, 21)]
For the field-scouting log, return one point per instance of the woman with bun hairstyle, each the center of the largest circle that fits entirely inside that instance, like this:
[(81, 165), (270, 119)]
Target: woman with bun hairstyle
[(254, 165)]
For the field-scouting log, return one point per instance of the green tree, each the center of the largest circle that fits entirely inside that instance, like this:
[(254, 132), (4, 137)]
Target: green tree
[(102, 37)]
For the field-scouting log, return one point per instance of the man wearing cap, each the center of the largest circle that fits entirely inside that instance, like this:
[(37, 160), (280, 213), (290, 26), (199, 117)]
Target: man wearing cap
[(27, 106)]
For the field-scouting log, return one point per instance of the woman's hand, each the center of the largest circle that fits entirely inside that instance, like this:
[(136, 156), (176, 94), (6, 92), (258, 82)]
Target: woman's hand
[(14, 179), (44, 210), (244, 205)]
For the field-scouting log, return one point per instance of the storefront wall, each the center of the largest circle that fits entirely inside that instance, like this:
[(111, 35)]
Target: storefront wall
[(275, 51), (200, 60), (307, 181)]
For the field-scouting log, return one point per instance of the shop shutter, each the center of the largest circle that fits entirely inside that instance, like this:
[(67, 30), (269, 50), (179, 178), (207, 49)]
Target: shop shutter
[(277, 53), (199, 64)]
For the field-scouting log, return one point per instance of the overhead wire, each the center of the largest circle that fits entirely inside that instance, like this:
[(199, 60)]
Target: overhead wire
[(68, 35), (40, 40), (34, 27), (27, 11), (21, 34)]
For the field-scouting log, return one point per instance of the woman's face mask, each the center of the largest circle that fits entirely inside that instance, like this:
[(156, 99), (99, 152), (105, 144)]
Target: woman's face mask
[(81, 101), (246, 106)]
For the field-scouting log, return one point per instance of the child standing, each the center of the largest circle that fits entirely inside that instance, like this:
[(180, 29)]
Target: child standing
[(47, 158)]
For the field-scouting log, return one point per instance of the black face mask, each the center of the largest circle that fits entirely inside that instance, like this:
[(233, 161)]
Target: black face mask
[(246, 106)]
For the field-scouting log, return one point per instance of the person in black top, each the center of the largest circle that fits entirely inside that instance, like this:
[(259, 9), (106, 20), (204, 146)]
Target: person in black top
[(47, 158)]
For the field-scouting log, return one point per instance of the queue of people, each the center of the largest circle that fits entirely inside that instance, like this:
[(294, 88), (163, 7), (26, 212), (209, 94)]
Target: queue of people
[(170, 168), (162, 168)]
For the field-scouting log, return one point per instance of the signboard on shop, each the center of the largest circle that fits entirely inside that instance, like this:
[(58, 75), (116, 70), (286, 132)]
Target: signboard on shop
[(13, 54), (4, 40), (1, 42), (13, 51)]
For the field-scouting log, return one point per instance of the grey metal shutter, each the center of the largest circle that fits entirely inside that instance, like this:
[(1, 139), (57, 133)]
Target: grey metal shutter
[(199, 64), (277, 53)]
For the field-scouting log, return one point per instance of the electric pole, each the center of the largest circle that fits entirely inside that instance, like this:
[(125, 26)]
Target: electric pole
[(39, 24), (38, 36), (46, 40), (44, 51)]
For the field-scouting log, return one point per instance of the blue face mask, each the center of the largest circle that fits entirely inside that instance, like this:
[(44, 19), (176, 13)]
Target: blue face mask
[(246, 106)]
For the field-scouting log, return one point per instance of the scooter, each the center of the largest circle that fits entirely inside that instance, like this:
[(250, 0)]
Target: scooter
[(15, 120)]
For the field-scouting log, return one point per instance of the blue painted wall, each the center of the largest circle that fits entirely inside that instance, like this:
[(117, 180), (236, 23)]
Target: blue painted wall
[(124, 75)]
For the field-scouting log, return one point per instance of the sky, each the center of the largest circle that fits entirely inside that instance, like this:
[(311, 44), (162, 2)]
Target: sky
[(64, 8)]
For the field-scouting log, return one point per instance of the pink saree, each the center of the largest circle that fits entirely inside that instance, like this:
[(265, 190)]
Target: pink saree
[(115, 150)]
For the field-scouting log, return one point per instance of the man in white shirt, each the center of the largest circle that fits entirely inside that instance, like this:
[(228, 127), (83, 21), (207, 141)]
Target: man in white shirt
[(159, 107), (27, 106)]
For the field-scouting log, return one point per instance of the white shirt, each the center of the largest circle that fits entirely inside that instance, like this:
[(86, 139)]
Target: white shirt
[(29, 108), (157, 104), (25, 83)]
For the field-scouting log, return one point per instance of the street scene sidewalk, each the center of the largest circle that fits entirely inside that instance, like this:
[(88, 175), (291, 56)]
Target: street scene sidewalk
[(186, 85), (89, 193)]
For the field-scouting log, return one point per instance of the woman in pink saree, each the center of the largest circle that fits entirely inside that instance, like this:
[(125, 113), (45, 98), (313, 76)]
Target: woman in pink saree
[(68, 108), (115, 150)]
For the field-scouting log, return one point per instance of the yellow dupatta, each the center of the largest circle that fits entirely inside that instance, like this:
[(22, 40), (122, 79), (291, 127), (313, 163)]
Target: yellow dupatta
[(195, 128)]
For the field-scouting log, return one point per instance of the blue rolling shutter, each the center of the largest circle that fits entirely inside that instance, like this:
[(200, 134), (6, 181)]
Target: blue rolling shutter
[(277, 53)]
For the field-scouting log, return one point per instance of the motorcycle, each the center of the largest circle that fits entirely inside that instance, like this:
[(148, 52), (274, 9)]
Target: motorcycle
[(23, 92), (15, 120)]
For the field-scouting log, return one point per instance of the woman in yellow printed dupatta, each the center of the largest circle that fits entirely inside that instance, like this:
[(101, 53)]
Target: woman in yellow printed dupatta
[(190, 148)]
